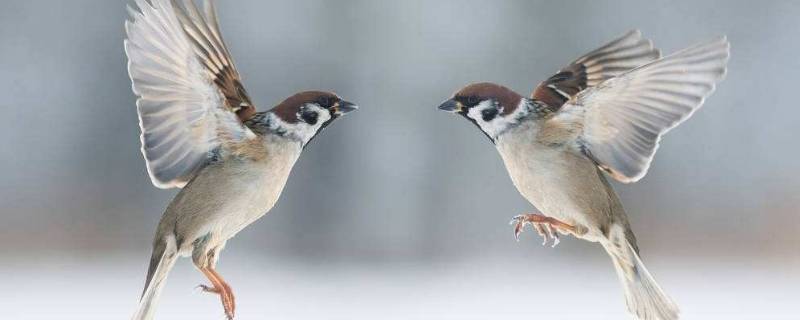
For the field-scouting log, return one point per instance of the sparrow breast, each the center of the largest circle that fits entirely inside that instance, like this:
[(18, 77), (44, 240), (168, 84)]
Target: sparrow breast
[(228, 195), (559, 183)]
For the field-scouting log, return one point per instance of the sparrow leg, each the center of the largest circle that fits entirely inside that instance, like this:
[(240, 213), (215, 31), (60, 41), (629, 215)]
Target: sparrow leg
[(547, 227), (220, 287)]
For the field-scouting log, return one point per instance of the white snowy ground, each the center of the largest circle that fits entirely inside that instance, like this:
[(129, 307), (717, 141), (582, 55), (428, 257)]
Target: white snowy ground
[(498, 288)]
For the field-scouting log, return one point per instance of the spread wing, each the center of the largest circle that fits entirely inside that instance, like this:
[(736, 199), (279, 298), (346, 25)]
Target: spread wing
[(190, 99), (610, 60), (624, 117)]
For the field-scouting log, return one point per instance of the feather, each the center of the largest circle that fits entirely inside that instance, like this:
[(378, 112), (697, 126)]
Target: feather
[(625, 117), (620, 55), (190, 99)]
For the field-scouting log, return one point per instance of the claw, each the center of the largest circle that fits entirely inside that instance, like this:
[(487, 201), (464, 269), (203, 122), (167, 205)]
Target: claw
[(206, 288), (221, 288), (556, 240), (520, 225), (554, 233), (540, 230), (548, 228)]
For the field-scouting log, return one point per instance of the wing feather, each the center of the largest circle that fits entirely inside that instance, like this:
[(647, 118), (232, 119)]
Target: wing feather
[(625, 117), (610, 60), (190, 99)]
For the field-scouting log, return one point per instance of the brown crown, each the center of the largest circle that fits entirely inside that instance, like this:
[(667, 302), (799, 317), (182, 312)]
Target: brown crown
[(287, 110), (485, 90)]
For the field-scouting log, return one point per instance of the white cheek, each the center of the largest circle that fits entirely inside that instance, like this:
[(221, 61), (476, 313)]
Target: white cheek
[(324, 116), (306, 131), (493, 127), (475, 114)]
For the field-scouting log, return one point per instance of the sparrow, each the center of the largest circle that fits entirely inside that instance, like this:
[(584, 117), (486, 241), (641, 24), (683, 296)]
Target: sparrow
[(603, 114), (201, 132)]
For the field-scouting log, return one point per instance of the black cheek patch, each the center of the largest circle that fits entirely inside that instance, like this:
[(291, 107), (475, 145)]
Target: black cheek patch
[(489, 114), (310, 117)]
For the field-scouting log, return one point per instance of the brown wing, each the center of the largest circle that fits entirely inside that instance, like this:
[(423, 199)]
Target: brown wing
[(190, 100), (203, 31), (614, 58), (622, 120)]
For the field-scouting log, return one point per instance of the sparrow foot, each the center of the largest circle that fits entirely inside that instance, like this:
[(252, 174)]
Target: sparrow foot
[(222, 289), (548, 228), (208, 289)]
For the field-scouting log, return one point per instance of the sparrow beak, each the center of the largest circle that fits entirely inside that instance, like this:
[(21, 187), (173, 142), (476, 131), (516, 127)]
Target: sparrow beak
[(343, 107), (451, 106)]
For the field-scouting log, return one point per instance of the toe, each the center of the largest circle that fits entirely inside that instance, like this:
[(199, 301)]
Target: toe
[(556, 239), (554, 233), (518, 229), (542, 232), (517, 219), (228, 309), (206, 288), (548, 231)]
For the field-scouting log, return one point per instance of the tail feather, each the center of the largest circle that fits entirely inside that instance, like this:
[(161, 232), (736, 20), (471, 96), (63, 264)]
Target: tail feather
[(164, 255), (644, 297)]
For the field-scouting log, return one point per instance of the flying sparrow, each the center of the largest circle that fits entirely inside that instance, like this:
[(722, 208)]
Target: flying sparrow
[(602, 114), (201, 133)]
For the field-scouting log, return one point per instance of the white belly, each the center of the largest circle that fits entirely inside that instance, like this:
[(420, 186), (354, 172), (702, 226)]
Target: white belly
[(253, 191), (561, 184), (226, 197)]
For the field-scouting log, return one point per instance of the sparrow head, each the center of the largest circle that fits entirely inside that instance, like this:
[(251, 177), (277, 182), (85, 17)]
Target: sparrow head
[(493, 108), (303, 115)]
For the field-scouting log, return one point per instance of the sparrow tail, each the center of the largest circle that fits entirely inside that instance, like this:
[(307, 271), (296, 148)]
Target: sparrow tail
[(644, 297), (161, 262)]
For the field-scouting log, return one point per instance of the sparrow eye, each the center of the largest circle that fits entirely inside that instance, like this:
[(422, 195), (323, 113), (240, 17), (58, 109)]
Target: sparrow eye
[(489, 114), (309, 117), (472, 100)]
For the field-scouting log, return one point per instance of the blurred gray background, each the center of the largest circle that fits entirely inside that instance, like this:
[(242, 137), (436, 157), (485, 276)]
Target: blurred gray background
[(398, 211)]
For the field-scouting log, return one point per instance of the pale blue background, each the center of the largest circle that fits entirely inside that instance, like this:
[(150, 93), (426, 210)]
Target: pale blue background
[(399, 211)]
